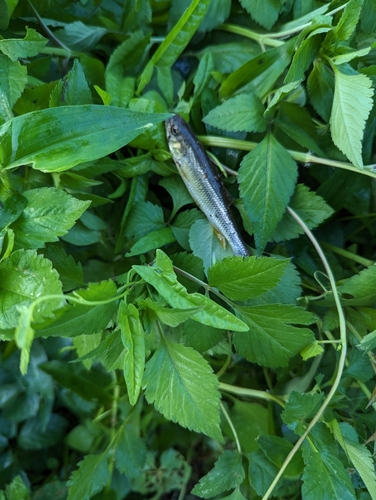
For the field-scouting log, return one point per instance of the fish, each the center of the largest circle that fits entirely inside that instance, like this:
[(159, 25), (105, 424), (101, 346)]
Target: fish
[(203, 182)]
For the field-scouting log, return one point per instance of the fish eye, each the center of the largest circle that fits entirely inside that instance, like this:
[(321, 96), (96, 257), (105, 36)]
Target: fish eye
[(174, 130)]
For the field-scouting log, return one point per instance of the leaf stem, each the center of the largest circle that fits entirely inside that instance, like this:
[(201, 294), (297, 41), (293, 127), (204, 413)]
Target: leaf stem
[(252, 393), (227, 416), (225, 142), (247, 33), (347, 254), (341, 363)]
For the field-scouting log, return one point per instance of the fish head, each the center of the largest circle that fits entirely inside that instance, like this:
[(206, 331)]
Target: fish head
[(175, 133)]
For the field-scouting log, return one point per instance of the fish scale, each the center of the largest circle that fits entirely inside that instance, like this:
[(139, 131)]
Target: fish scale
[(202, 181)]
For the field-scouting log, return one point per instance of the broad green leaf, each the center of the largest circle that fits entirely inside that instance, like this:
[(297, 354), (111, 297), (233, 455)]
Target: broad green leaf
[(178, 192), (163, 279), (300, 408), (130, 451), (70, 272), (143, 219), (267, 178), (271, 339), (320, 87), (49, 213), (264, 12), (303, 58), (261, 72), (11, 209), (352, 104), (309, 206), (168, 316), (205, 244), (229, 56), (153, 240), (312, 350), (344, 58), (13, 78), (204, 72), (29, 46), (217, 13), (155, 136), (334, 480), (227, 473), (261, 473), (191, 265), (280, 94), (91, 477), (132, 335), (182, 225), (244, 278), (201, 337), (359, 290), (243, 112), (74, 89), (86, 344), (82, 319), (348, 20), (24, 277), (368, 342), (57, 139), (235, 495), (183, 388), (368, 15), (359, 454), (276, 450), (6, 8), (79, 36), (17, 490), (176, 41)]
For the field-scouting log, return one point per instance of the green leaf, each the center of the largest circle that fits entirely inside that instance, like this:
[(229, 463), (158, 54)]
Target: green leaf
[(49, 213), (334, 481), (309, 206), (352, 104), (267, 178), (163, 279), (132, 335), (261, 473), (271, 339), (143, 219), (170, 317), (91, 477), (12, 208), (206, 245), (153, 240), (6, 8), (244, 278), (13, 78), (176, 41), (243, 112), (24, 336), (303, 58), (17, 490), (217, 13), (312, 350), (264, 12), (299, 408), (24, 277), (320, 87), (130, 452), (182, 225), (190, 264), (359, 454), (261, 72), (276, 450), (227, 473), (348, 20), (178, 192), (368, 342), (70, 272), (29, 46), (57, 139), (80, 37), (82, 319), (183, 388), (73, 89), (201, 337), (359, 290)]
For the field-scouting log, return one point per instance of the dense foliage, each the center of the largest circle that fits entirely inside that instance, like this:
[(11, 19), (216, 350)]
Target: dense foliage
[(140, 358)]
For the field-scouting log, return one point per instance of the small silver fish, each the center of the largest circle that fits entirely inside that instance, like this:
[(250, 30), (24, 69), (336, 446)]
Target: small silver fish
[(203, 181)]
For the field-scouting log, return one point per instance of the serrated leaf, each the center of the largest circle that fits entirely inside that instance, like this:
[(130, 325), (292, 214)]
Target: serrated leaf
[(73, 89), (183, 388), (144, 218), (348, 20), (352, 104), (70, 272), (271, 339), (79, 36), (163, 279), (49, 213), (29, 46), (359, 290), (264, 12), (176, 41), (13, 79), (227, 473), (17, 490), (81, 319), (244, 278), (91, 477), (153, 240), (312, 350), (178, 192), (267, 178), (344, 58), (132, 335), (299, 408), (309, 206), (243, 112), (206, 245), (170, 317), (25, 276), (368, 342), (320, 85), (57, 139), (130, 452)]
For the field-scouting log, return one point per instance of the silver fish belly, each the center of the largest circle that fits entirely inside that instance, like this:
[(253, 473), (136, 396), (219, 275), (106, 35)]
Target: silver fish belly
[(202, 181)]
